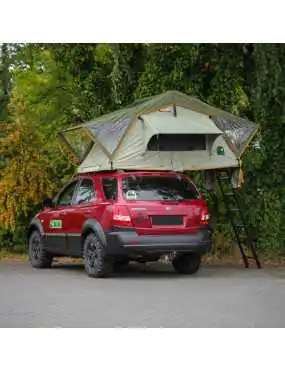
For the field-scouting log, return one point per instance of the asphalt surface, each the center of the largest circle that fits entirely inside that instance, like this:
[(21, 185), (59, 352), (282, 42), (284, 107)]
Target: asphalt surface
[(141, 296)]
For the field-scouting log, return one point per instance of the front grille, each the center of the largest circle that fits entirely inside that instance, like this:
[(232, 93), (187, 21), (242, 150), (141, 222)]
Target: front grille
[(167, 220)]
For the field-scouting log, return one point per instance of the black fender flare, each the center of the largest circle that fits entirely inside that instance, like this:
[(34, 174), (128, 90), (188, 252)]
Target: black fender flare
[(95, 227), (35, 224)]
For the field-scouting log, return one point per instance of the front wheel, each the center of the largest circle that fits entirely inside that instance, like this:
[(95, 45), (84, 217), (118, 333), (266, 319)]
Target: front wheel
[(187, 263), (38, 257), (96, 264)]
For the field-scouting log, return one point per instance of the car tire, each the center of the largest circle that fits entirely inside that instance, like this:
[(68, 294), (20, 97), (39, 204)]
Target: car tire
[(187, 263), (38, 256), (96, 264)]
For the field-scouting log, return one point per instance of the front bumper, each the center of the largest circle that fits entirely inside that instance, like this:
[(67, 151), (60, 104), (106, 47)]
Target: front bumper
[(129, 243)]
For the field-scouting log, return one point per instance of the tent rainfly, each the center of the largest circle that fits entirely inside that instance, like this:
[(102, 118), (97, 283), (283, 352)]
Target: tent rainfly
[(170, 131)]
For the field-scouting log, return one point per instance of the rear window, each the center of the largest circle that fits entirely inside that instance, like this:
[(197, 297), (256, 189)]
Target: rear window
[(158, 188)]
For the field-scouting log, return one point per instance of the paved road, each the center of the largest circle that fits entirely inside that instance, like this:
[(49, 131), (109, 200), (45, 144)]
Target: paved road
[(141, 297)]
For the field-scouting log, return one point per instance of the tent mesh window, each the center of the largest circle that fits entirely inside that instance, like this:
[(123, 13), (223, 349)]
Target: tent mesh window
[(177, 142), (237, 130), (80, 142)]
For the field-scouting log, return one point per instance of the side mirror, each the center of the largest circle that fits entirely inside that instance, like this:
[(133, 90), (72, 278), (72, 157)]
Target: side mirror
[(48, 203)]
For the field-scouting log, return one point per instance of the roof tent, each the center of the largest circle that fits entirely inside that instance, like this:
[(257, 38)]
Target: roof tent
[(170, 131)]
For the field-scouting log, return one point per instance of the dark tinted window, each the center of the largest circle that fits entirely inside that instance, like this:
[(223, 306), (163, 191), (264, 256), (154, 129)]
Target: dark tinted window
[(66, 195), (151, 188), (110, 187), (177, 142), (85, 193)]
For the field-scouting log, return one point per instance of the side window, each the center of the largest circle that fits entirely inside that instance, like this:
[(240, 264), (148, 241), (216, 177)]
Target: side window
[(110, 187), (85, 193), (66, 195)]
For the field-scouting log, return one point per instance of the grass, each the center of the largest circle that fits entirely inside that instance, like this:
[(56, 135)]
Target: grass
[(210, 259), (223, 254), (17, 256), (18, 252)]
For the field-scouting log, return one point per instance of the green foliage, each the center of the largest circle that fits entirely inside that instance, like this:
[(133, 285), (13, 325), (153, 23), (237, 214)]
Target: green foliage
[(63, 84), (266, 169), (33, 166), (5, 80), (169, 67)]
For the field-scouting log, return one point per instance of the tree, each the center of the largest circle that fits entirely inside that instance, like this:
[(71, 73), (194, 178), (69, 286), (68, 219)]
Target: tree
[(33, 165), (5, 81)]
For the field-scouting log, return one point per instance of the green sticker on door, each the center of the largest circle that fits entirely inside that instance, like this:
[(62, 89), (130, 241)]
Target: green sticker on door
[(55, 223)]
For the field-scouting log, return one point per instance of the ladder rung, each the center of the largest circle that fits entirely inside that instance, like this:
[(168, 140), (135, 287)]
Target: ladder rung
[(256, 260), (223, 177), (240, 232), (235, 209), (230, 198), (228, 194)]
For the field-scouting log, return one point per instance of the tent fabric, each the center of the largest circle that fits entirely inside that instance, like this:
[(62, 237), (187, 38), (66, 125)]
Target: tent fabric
[(132, 153), (109, 134), (200, 124), (121, 137)]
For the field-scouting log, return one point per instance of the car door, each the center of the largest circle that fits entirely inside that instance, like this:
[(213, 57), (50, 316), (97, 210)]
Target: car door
[(84, 207), (57, 220)]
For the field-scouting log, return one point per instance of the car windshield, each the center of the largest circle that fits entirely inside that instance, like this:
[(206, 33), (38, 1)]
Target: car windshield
[(158, 188)]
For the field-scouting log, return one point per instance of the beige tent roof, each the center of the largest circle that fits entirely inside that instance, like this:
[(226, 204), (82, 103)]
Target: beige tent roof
[(109, 130)]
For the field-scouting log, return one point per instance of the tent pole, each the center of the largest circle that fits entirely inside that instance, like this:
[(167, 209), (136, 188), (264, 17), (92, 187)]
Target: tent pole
[(249, 141), (97, 142), (133, 118), (70, 149)]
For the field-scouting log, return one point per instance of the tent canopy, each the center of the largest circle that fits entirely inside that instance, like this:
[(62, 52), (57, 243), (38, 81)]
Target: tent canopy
[(170, 131)]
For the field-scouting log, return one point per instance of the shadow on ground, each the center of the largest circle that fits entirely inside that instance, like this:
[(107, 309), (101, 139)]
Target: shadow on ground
[(160, 270)]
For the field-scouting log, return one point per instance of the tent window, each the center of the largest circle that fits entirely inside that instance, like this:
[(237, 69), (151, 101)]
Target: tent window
[(177, 142)]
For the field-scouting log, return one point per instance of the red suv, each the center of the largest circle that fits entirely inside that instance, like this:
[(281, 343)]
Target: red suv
[(111, 218)]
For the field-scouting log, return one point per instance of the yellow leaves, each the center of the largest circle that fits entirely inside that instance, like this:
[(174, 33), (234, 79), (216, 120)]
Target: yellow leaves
[(30, 157), (25, 179)]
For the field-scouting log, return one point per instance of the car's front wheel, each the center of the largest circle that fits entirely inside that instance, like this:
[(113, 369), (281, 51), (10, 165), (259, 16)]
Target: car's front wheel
[(96, 263), (38, 256), (187, 263)]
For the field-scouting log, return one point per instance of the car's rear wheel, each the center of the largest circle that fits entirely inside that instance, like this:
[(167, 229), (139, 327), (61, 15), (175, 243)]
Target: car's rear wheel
[(187, 263), (96, 263), (38, 256)]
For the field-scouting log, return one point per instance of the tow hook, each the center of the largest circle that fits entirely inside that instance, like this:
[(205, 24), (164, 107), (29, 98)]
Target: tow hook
[(169, 257)]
